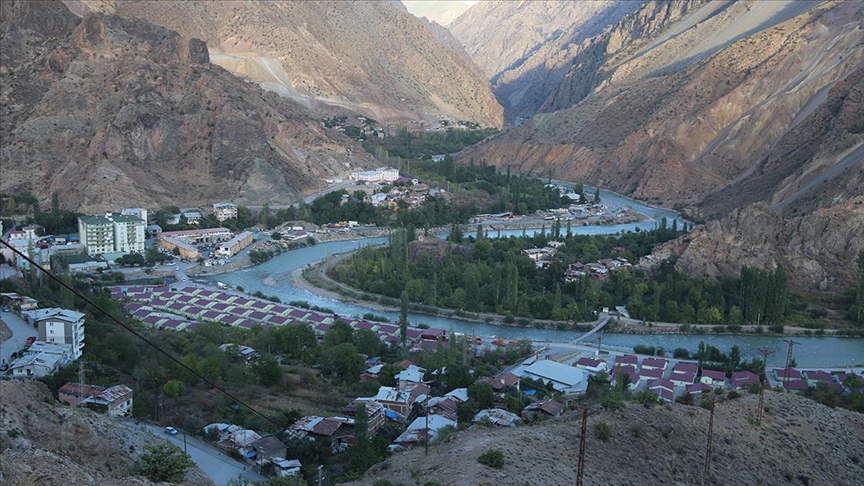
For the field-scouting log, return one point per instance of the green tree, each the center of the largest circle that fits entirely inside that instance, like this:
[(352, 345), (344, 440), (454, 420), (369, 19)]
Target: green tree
[(339, 333), (342, 362), (482, 394), (860, 311), (165, 462), (361, 455), (173, 388), (403, 318), (267, 368)]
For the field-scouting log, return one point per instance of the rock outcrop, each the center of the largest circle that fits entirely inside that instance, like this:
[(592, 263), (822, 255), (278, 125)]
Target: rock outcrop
[(369, 57), (108, 112), (817, 250)]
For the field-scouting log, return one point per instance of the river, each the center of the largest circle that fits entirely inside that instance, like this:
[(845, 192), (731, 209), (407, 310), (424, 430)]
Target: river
[(273, 278)]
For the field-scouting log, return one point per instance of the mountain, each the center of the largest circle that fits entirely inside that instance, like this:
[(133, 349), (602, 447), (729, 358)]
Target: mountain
[(525, 47), (710, 102), (442, 12), (373, 58), (109, 111), (715, 107), (798, 442)]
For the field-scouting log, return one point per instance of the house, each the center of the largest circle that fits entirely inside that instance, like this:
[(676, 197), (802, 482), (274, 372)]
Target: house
[(650, 374), (73, 394), (266, 449), (664, 389), (375, 414), (566, 379), (630, 371), (392, 399), (221, 430), (655, 363), (338, 431), (285, 467), (59, 326), (593, 365), (787, 374), (410, 377), (698, 388), (795, 386), (684, 374), (627, 359), (815, 376), (497, 416), (743, 379), (238, 439), (379, 175), (424, 429), (234, 245), (442, 406), (713, 378), (115, 401), (224, 211), (546, 408), (501, 381), (459, 394), (35, 365)]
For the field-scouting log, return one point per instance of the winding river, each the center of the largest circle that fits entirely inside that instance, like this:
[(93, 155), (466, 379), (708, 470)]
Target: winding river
[(273, 278)]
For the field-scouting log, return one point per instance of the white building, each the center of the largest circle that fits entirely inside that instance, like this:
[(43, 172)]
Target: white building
[(225, 211), (59, 326), (139, 212), (381, 174), (111, 233), (565, 379)]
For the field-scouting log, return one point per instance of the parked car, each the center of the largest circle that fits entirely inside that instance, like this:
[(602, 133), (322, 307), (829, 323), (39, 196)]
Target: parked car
[(170, 430)]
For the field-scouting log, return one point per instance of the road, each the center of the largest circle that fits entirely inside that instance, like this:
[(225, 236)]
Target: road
[(20, 332), (216, 465)]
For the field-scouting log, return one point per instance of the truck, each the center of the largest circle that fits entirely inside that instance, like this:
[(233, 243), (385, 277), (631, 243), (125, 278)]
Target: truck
[(222, 286)]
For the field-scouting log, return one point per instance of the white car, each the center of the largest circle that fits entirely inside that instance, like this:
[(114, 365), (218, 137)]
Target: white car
[(170, 430)]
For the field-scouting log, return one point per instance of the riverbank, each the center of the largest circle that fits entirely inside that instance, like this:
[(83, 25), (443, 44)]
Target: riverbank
[(314, 279)]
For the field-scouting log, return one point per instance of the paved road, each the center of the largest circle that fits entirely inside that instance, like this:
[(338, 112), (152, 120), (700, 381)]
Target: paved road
[(216, 465), (20, 332)]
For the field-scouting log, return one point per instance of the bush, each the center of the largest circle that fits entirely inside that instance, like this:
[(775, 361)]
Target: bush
[(603, 431), (733, 395), (492, 458)]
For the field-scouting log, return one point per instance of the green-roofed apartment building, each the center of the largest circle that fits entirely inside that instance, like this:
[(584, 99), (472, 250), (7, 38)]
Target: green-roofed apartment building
[(112, 233)]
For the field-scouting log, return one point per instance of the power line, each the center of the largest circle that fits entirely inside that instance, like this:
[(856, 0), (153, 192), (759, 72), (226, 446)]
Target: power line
[(138, 335)]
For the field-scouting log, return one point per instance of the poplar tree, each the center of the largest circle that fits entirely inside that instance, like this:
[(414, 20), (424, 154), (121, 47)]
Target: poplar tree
[(403, 318), (860, 314)]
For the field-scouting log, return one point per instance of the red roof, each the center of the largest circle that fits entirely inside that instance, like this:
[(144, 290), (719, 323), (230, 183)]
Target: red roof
[(714, 375), (627, 359)]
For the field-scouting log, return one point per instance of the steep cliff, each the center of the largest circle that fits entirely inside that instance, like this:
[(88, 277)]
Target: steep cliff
[(817, 250), (369, 57), (527, 47), (109, 111)]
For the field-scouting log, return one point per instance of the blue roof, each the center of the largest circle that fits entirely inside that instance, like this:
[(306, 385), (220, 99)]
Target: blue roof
[(250, 454)]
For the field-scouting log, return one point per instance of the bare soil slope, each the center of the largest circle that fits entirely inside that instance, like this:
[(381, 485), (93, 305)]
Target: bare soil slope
[(799, 442), (108, 111), (47, 444)]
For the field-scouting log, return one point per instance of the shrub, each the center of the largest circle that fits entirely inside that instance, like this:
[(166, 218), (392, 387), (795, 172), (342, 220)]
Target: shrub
[(638, 430), (733, 395), (603, 431), (492, 458)]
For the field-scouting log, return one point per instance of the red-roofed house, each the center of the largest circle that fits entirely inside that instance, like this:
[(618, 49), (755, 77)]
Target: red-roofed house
[(816, 376), (795, 386), (650, 374), (591, 364), (626, 359), (743, 379), (664, 389), (713, 378), (698, 388), (787, 374), (682, 378), (654, 363), (626, 370)]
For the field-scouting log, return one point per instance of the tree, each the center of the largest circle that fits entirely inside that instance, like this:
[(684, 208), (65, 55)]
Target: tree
[(361, 455), (403, 318), (597, 195), (165, 463), (860, 313), (268, 370), (482, 394), (173, 388), (342, 362)]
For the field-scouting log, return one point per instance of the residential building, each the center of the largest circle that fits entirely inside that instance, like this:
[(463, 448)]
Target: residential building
[(234, 245), (408, 378), (713, 378), (339, 431), (566, 379), (286, 467), (266, 450), (787, 374), (497, 416), (36, 365), (112, 233), (664, 389), (204, 235), (192, 215), (185, 250), (630, 371), (698, 388), (59, 326), (381, 174), (73, 394), (654, 363), (115, 401), (743, 379), (424, 429), (224, 211), (375, 414), (140, 213), (591, 364), (501, 381), (546, 408)]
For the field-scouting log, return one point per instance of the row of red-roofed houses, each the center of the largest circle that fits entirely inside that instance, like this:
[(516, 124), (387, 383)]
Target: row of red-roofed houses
[(794, 380)]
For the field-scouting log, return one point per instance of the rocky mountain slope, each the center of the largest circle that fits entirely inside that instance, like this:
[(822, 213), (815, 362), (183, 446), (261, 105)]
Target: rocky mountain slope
[(370, 57), (799, 442), (109, 111), (47, 444), (815, 249), (714, 106), (526, 47)]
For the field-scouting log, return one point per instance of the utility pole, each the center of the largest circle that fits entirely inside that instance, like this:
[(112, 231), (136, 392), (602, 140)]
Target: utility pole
[(791, 344), (184, 442), (710, 437), (426, 411), (81, 380), (765, 353), (581, 467), (320, 466)]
